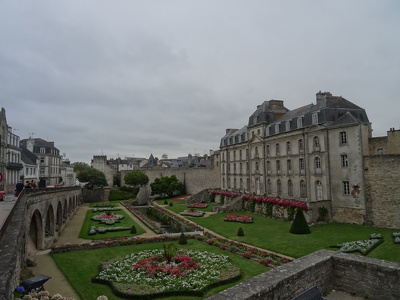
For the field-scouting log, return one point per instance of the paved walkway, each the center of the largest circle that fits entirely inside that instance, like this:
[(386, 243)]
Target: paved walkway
[(5, 208)]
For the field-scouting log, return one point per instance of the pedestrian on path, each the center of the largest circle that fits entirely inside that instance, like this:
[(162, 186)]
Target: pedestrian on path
[(18, 188)]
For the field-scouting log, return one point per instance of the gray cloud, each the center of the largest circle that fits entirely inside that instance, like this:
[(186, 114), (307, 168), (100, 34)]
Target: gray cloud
[(142, 77)]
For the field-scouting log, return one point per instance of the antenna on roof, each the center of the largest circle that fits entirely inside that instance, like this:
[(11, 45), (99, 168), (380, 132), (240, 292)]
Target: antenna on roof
[(31, 135)]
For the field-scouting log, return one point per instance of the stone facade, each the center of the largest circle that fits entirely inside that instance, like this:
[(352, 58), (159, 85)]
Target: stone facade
[(99, 162), (311, 154)]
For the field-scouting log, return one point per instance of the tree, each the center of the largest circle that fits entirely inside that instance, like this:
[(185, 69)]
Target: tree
[(92, 176), (80, 166), (166, 185), (136, 178)]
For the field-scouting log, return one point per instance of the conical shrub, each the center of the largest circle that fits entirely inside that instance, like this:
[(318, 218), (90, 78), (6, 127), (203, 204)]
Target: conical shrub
[(182, 239), (133, 229), (240, 232), (299, 225)]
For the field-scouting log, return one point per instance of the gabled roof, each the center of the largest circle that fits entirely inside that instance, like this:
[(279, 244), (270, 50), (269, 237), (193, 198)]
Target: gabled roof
[(346, 119)]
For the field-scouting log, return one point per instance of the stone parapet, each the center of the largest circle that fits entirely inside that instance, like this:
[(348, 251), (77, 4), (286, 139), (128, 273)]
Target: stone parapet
[(366, 277)]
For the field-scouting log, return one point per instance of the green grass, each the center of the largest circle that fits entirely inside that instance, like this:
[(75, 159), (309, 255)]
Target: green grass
[(274, 235), (125, 222), (179, 206), (81, 266)]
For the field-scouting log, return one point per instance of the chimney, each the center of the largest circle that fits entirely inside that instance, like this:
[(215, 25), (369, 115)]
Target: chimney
[(321, 98)]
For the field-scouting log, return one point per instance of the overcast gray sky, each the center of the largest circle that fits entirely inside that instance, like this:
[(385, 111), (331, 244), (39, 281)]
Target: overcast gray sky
[(168, 77)]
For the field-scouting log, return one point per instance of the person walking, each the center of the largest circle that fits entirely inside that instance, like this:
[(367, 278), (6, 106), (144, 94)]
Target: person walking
[(18, 188)]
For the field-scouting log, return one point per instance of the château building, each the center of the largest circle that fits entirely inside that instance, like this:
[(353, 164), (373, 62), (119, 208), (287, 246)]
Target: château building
[(313, 154)]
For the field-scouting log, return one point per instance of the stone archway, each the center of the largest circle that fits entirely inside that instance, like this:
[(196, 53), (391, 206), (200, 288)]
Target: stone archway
[(49, 229), (36, 232), (59, 221), (65, 211)]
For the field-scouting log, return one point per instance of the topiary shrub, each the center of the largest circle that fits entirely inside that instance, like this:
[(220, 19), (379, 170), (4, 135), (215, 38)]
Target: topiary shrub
[(133, 229), (240, 232), (166, 202), (171, 204), (182, 239), (299, 225)]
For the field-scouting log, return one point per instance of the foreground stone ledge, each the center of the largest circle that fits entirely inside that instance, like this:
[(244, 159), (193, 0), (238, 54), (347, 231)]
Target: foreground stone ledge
[(363, 276)]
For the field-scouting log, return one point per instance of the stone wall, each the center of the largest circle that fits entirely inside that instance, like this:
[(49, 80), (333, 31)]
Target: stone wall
[(348, 215), (328, 270), (98, 195), (13, 249), (194, 179), (382, 174)]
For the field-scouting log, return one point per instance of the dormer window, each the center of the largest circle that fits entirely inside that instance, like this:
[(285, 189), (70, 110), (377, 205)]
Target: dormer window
[(314, 118), (287, 125), (276, 128), (299, 122), (267, 131)]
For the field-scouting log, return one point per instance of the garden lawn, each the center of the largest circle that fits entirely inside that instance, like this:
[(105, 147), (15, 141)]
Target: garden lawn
[(80, 267), (125, 222), (274, 235), (180, 206)]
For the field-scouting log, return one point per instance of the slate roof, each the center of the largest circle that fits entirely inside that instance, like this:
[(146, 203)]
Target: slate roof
[(28, 157)]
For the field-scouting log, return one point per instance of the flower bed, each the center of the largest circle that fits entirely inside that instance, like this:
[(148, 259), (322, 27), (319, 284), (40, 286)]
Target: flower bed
[(275, 201), (238, 218), (148, 273), (108, 218), (105, 205), (197, 205), (192, 213), (364, 247), (105, 209), (94, 230)]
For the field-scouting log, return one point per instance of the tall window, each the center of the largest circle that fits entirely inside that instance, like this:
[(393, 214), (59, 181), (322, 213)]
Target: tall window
[(346, 187), (301, 145), (345, 161), (42, 150), (241, 183), (290, 187), (301, 165), (288, 147), (234, 168), (257, 166), (278, 167), (343, 137), (247, 153), (287, 125), (268, 167), (318, 187), (240, 168), (267, 150), (277, 149), (278, 187), (317, 163), (234, 183), (316, 143), (256, 152), (276, 128), (289, 165), (269, 186), (303, 189), (234, 155), (247, 167), (240, 154)]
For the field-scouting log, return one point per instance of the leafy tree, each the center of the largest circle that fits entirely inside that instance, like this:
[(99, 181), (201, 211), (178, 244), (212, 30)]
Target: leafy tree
[(136, 178), (93, 177), (166, 185), (80, 166)]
